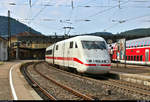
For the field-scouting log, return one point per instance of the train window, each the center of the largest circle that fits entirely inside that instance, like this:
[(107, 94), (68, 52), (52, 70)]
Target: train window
[(71, 44), (134, 58), (126, 57), (93, 44), (131, 58), (56, 47), (49, 52), (145, 43), (137, 58), (76, 45), (141, 58), (148, 42)]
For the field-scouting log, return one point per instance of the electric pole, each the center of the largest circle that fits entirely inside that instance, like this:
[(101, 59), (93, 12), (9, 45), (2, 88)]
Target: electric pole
[(119, 4), (9, 36), (72, 4), (30, 3), (125, 51)]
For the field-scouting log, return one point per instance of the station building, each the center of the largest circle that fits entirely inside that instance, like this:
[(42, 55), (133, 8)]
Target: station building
[(28, 45), (3, 49)]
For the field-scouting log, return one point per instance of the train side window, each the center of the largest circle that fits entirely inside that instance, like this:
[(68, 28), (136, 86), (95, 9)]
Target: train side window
[(134, 58), (56, 47), (49, 52), (137, 58), (76, 46), (71, 44), (128, 57), (131, 58), (141, 58)]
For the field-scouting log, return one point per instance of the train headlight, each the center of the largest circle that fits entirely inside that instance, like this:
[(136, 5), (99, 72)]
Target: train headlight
[(107, 61), (89, 61), (104, 61)]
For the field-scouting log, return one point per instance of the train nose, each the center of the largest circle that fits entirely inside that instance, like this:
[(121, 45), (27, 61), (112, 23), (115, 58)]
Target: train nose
[(98, 69), (95, 68)]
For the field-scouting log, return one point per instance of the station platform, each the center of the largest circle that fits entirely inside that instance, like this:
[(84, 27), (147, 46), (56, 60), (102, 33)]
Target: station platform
[(132, 73), (23, 90)]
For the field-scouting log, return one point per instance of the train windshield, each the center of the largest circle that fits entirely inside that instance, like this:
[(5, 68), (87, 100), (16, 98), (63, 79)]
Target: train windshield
[(93, 44)]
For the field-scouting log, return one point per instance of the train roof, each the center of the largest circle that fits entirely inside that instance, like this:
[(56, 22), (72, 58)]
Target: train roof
[(87, 37), (135, 43), (138, 42), (83, 37), (79, 38)]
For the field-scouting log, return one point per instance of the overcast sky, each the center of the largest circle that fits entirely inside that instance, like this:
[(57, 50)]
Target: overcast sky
[(85, 16)]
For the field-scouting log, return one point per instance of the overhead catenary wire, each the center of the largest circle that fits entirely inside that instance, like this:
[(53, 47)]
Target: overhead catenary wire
[(100, 12), (33, 18), (87, 2), (41, 10), (34, 3), (124, 21), (95, 14)]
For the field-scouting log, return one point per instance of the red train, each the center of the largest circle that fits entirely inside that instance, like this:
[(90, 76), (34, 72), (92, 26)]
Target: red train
[(137, 52)]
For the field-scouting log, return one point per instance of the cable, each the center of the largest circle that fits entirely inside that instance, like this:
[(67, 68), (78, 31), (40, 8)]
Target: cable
[(88, 2), (34, 3), (136, 17), (38, 14), (126, 21), (100, 12), (112, 26), (33, 18)]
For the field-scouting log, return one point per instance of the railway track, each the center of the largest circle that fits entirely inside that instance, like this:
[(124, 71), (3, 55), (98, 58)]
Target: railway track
[(72, 94), (141, 91), (138, 91), (129, 88), (35, 85)]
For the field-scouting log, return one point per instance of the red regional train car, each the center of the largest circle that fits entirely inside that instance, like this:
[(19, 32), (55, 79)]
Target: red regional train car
[(137, 52)]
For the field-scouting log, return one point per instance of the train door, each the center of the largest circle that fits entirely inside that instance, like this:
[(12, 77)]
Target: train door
[(146, 55), (54, 54), (70, 54), (66, 55), (63, 50)]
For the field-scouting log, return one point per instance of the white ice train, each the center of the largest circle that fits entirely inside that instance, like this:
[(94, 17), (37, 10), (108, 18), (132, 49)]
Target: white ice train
[(84, 54)]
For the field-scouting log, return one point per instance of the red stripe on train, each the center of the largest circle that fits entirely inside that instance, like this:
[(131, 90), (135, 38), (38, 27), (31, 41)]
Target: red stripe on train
[(97, 64), (105, 64), (76, 60)]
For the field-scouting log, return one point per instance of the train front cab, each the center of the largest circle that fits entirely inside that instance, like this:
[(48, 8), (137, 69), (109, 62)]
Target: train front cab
[(96, 57)]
